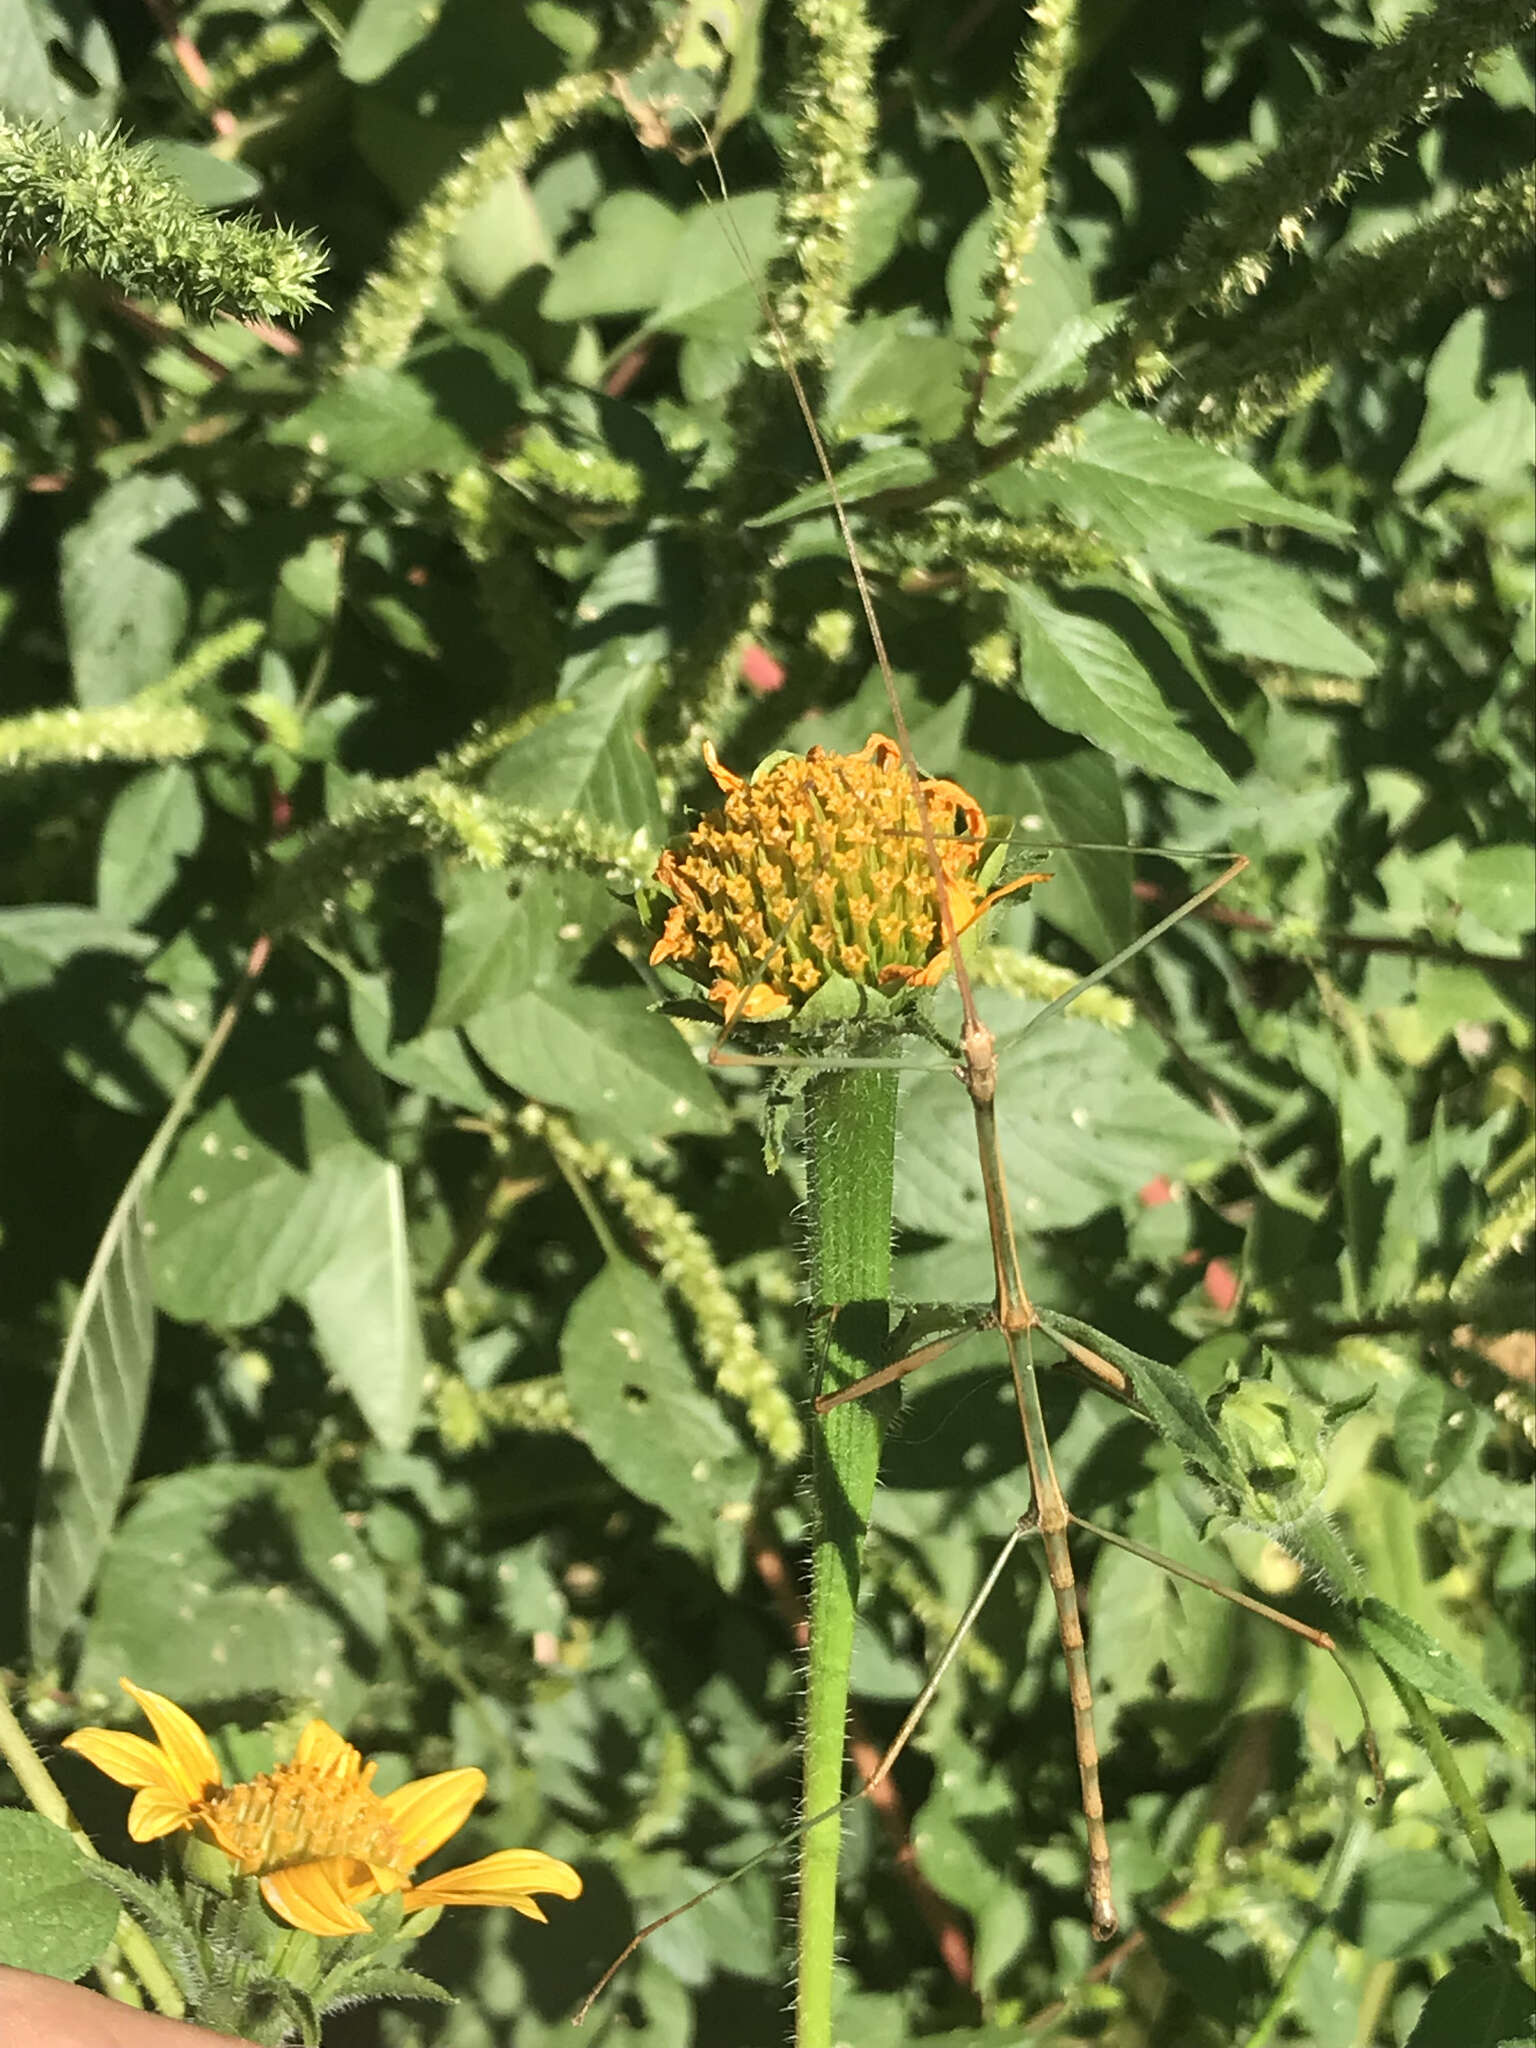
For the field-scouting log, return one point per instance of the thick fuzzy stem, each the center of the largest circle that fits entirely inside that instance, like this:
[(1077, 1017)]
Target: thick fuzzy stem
[(851, 1124)]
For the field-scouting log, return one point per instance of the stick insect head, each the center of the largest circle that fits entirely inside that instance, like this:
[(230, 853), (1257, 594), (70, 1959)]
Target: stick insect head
[(813, 876)]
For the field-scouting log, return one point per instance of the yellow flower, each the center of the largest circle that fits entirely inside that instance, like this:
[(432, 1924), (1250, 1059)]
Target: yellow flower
[(313, 1829), (821, 867)]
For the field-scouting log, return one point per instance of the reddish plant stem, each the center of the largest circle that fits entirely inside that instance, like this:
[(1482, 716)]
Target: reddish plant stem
[(190, 58)]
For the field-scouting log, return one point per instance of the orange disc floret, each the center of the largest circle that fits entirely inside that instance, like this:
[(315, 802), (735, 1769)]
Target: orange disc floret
[(822, 866)]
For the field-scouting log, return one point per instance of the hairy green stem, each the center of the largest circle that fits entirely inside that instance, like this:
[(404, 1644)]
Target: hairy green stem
[(1490, 1864), (851, 1142), (130, 1939)]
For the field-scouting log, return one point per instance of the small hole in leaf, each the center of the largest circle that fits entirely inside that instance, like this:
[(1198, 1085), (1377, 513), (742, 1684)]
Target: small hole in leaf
[(637, 1397)]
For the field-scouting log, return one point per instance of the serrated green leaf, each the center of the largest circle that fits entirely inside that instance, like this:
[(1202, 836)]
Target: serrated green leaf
[(1480, 2003), (590, 758), (640, 1409), (502, 937), (1083, 678), (1132, 480), (1413, 1653), (1258, 608), (1176, 1409), (53, 1919)]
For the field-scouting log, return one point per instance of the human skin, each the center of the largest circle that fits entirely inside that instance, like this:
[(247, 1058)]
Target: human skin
[(40, 2012)]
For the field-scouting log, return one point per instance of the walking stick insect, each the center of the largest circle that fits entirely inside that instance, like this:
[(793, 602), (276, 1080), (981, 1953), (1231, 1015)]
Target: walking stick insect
[(879, 799)]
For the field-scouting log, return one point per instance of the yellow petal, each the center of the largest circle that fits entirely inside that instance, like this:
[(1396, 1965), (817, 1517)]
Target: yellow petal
[(155, 1813), (127, 1758), (321, 1746), (187, 1750), (428, 1810), (309, 1896), (504, 1879)]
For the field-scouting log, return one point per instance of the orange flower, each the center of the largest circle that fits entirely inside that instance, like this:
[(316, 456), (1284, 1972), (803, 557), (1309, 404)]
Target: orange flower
[(313, 1829), (821, 867)]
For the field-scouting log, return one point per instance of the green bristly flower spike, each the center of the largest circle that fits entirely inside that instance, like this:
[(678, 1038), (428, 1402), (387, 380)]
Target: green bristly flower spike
[(97, 204)]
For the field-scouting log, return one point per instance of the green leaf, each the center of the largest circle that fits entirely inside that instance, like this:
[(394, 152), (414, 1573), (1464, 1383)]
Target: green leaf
[(377, 424), (886, 370), (362, 1301), (433, 1063), (1131, 479), (1212, 1981), (501, 939), (590, 758), (379, 35), (1176, 1410), (640, 1409), (1413, 1654), (207, 180), (247, 1209), (237, 1579), (1052, 797), (32, 87), (152, 826), (626, 1074), (883, 208), (53, 1919), (37, 939), (94, 1422), (1256, 607), (1083, 678), (1497, 885), (1051, 322), (1480, 2003), (1083, 1122), (1414, 1902), (1485, 438), (621, 267), (125, 609), (708, 289), (883, 469)]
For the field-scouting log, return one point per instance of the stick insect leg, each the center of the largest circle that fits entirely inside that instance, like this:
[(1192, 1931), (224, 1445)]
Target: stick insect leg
[(1097, 1371), (1051, 1517), (1024, 1527), (1139, 944), (1319, 1638)]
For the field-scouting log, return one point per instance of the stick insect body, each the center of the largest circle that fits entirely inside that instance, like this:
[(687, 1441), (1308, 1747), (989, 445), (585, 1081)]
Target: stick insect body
[(1012, 1313)]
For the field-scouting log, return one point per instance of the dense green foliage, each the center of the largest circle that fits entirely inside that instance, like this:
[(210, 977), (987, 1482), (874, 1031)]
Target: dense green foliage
[(441, 1369)]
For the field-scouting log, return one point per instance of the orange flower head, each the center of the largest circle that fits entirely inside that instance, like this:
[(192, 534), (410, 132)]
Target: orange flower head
[(820, 867), (313, 1830)]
